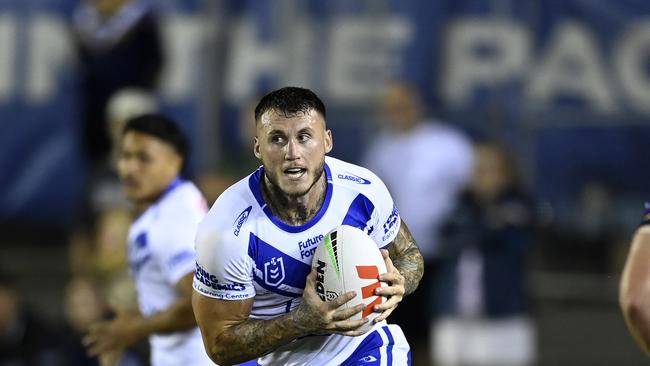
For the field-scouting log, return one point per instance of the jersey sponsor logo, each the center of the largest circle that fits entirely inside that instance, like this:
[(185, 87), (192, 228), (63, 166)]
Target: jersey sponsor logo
[(370, 229), (392, 220), (211, 281), (391, 224), (274, 271), (308, 247), (354, 178), (241, 219)]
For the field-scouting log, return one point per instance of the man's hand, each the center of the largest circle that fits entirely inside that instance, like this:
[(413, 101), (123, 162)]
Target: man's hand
[(394, 291), (108, 338), (324, 317)]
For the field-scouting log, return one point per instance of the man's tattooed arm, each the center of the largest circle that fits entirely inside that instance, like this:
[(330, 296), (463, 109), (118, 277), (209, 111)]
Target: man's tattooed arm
[(231, 336), (406, 257)]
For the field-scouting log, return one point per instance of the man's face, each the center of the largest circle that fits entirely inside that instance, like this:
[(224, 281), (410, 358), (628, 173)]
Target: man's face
[(292, 149), (146, 166)]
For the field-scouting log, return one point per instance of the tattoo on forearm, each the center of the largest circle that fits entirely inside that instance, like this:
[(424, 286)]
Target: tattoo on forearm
[(407, 259), (254, 338)]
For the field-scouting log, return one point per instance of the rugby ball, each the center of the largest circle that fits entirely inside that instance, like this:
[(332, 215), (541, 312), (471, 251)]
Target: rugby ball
[(347, 259)]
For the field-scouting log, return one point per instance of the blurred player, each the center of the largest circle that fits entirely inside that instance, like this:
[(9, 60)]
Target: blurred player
[(255, 293), (634, 295), (160, 248)]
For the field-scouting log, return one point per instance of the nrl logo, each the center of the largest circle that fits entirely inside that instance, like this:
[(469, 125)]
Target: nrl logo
[(274, 271)]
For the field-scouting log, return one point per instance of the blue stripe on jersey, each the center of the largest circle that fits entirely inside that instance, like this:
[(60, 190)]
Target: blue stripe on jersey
[(256, 188), (276, 269), (367, 352), (391, 342), (359, 212)]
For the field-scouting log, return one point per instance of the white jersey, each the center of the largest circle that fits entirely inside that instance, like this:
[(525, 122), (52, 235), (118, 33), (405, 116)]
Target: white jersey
[(161, 252), (244, 251)]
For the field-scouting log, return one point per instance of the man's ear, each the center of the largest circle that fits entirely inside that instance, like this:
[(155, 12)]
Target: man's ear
[(329, 142), (256, 148)]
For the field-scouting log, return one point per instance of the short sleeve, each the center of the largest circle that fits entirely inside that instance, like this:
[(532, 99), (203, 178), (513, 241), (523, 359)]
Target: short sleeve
[(386, 218), (223, 267), (175, 253)]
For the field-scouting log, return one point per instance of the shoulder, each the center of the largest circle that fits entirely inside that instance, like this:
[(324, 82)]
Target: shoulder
[(359, 180), (183, 204), (227, 221), (352, 176)]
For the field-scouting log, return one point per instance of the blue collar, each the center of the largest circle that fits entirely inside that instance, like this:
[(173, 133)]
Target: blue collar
[(255, 185)]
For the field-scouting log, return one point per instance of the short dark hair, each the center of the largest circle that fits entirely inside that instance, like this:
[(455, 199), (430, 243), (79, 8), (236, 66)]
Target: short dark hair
[(290, 101), (161, 128)]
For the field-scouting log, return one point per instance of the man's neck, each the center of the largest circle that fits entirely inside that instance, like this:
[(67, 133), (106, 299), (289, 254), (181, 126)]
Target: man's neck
[(295, 211)]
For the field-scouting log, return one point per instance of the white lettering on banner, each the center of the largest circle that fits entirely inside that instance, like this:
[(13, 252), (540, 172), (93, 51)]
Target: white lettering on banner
[(7, 55), (492, 52), (184, 40), (49, 51), (286, 59), (507, 49), (364, 54), (632, 51), (572, 65), (358, 55)]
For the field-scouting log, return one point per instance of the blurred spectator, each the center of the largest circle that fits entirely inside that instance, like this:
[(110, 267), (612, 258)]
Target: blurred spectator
[(85, 304), (119, 46), (24, 339), (481, 298), (424, 163)]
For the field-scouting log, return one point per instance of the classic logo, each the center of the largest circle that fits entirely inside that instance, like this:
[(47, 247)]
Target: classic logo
[(241, 219), (274, 271), (354, 178)]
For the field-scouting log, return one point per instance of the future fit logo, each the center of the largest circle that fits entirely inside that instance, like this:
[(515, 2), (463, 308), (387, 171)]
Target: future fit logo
[(308, 247)]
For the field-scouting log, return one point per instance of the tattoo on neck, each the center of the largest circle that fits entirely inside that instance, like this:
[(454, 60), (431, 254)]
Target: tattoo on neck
[(292, 213)]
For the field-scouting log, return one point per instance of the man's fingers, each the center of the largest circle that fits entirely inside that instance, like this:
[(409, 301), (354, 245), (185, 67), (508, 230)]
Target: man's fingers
[(383, 315), (387, 260), (390, 303), (342, 299), (344, 314), (348, 325)]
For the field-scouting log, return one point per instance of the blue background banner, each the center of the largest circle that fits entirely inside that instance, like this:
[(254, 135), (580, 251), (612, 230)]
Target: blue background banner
[(565, 84)]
